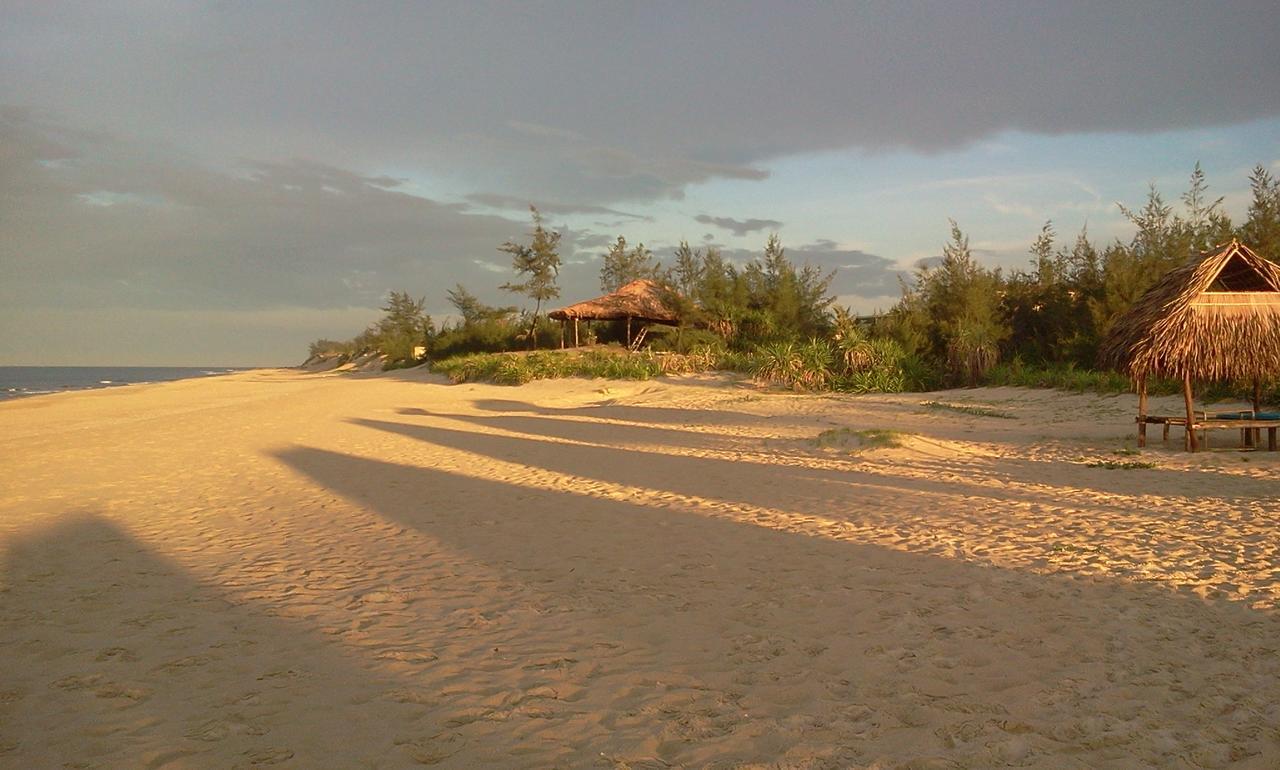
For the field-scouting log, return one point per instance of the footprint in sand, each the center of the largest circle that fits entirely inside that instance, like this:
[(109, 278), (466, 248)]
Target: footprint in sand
[(268, 756), (432, 750), (116, 653), (219, 729), (11, 696)]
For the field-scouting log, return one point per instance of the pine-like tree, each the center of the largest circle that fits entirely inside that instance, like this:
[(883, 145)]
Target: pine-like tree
[(621, 265), (539, 262), (1261, 231)]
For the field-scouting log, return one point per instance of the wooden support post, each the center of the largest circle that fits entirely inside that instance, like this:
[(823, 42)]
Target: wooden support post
[(1189, 440), (563, 323), (1257, 407), (575, 331), (628, 331), (1142, 411), (1271, 439)]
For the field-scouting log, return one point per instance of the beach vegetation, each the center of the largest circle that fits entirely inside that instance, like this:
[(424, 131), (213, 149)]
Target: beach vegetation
[(851, 440), (1121, 465), (403, 327), (972, 410), (519, 368), (956, 322), (539, 265), (621, 265), (480, 328)]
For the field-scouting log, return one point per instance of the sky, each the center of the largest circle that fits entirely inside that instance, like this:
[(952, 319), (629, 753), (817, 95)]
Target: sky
[(220, 183)]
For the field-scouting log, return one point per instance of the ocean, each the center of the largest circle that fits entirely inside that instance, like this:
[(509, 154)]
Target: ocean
[(19, 381)]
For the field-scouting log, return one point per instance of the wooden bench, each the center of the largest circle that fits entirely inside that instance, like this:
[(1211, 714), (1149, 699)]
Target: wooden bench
[(1250, 429)]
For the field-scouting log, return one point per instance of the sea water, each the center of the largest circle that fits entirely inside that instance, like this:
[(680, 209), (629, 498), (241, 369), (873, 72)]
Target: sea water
[(18, 381)]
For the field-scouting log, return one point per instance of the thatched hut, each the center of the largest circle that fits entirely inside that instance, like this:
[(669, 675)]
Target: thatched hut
[(1217, 317), (639, 301)]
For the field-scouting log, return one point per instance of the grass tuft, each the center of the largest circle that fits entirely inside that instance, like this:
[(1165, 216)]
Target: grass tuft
[(1120, 465), (976, 411), (857, 440)]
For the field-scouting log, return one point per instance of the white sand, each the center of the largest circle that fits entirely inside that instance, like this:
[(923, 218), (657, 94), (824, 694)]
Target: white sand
[(330, 570)]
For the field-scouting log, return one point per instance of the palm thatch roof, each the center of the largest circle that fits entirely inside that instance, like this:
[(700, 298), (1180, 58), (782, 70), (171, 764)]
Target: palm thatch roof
[(1217, 317), (641, 299)]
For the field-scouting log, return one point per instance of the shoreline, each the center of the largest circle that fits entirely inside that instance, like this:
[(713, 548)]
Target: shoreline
[(14, 380), (279, 566)]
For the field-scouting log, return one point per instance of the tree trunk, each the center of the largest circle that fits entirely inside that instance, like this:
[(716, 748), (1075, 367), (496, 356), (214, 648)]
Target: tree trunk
[(533, 327)]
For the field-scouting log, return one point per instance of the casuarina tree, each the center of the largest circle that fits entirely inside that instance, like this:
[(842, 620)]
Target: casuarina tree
[(539, 264)]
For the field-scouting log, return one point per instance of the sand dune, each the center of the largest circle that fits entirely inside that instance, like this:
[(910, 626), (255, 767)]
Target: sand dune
[(335, 570)]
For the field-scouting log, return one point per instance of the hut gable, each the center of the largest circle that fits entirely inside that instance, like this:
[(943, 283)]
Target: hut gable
[(1217, 317), (1241, 275), (641, 300)]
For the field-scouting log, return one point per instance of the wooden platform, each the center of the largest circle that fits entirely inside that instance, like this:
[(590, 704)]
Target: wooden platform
[(1250, 429)]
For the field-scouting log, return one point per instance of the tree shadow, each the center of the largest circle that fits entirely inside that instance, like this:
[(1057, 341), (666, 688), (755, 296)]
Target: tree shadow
[(613, 411), (115, 656), (599, 428), (596, 457), (839, 653)]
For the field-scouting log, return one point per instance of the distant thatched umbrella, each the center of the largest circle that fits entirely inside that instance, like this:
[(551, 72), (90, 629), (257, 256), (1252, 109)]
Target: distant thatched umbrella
[(641, 300), (1217, 317)]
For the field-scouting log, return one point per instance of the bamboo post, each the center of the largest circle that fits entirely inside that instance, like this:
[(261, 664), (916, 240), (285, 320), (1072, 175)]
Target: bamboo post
[(575, 331), (628, 331), (1256, 433), (1142, 410), (1189, 440), (563, 323)]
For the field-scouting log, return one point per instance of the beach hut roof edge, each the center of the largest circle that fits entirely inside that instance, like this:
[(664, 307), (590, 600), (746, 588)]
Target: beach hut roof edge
[(1215, 317), (641, 299)]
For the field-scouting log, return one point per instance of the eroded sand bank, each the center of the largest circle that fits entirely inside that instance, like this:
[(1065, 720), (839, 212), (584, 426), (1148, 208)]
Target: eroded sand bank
[(329, 570)]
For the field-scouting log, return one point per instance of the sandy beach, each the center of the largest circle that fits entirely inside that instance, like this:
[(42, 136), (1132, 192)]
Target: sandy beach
[(337, 570)]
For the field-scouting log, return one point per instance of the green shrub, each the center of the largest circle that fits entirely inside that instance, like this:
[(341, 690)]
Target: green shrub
[(519, 368), (803, 367), (1066, 377)]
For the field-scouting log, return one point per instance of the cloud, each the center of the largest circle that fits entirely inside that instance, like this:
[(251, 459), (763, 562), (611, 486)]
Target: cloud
[(113, 231), (121, 236), (544, 132), (516, 203), (582, 109), (739, 227)]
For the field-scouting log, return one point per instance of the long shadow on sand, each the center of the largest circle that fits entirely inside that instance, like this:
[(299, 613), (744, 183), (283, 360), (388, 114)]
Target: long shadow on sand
[(114, 656), (838, 651), (794, 486), (1067, 475), (612, 411), (597, 427)]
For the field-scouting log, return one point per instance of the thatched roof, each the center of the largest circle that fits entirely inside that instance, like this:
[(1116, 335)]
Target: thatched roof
[(1217, 317), (641, 300)]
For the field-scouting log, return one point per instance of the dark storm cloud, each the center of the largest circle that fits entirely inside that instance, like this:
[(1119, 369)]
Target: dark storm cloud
[(601, 102), (739, 226)]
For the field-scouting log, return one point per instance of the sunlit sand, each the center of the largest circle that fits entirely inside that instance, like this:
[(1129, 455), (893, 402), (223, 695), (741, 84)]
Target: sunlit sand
[(336, 570)]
